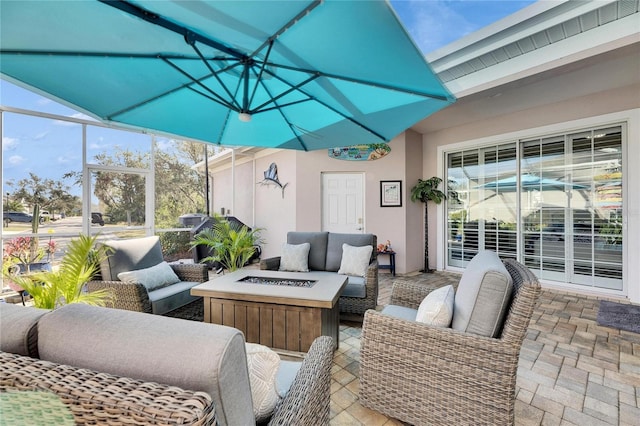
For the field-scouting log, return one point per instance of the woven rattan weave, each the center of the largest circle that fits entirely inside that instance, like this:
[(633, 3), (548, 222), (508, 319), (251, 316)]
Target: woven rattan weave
[(41, 392), (427, 375), (134, 297)]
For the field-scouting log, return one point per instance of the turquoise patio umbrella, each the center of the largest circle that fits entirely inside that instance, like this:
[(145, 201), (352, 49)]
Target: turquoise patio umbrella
[(286, 74)]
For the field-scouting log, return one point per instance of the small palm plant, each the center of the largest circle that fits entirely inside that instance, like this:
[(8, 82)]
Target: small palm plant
[(65, 285), (427, 190), (230, 244)]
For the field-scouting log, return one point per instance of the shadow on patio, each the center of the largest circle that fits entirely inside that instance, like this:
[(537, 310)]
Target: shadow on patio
[(571, 370)]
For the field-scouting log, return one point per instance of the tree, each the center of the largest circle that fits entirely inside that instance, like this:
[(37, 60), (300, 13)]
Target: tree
[(48, 194), (122, 194), (178, 187), (425, 191)]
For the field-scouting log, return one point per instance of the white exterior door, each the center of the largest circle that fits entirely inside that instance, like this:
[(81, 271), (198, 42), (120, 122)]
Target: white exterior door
[(343, 202)]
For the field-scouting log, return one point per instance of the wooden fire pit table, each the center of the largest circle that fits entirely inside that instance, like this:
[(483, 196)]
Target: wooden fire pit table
[(282, 310)]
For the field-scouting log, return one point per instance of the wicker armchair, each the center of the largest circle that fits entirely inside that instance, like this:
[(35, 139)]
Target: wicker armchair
[(140, 253), (428, 375)]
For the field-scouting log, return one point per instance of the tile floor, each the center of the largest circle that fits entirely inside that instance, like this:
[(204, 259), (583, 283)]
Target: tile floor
[(571, 371)]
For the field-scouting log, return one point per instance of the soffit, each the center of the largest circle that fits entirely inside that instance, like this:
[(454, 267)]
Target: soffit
[(546, 55), (607, 71)]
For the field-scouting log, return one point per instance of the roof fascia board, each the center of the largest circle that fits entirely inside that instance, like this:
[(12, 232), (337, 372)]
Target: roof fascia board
[(511, 30), (503, 24), (599, 40)]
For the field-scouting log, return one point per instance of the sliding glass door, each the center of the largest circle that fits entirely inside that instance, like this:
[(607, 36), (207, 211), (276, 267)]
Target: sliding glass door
[(555, 203)]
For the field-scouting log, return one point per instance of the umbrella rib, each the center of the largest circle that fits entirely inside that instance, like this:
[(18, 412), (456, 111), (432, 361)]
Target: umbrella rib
[(286, 26), (285, 105), (156, 19), (168, 92), (259, 108), (284, 117), (214, 73), (359, 81), (259, 77), (354, 121), (199, 83), (92, 54)]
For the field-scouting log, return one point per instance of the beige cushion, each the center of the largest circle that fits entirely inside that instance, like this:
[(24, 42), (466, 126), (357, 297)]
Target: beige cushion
[(263, 364), (437, 308), (355, 260), (154, 277), (295, 257), (483, 296)]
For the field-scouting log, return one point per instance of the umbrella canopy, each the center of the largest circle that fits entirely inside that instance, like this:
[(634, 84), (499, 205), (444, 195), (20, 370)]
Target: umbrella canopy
[(287, 74)]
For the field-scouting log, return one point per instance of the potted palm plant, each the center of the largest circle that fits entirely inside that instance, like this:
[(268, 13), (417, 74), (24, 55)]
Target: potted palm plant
[(230, 244), (425, 191), (65, 284)]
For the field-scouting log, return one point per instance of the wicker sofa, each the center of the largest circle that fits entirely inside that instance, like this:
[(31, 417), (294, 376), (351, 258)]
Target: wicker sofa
[(423, 374), (95, 365), (140, 253), (325, 254)]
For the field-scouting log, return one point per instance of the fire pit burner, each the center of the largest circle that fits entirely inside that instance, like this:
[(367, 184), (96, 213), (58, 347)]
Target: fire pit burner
[(278, 281)]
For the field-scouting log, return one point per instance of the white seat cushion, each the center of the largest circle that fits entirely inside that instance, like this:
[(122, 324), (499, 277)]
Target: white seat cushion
[(401, 312)]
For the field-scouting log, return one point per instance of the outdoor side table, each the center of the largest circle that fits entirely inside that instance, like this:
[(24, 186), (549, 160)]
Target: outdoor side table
[(392, 262)]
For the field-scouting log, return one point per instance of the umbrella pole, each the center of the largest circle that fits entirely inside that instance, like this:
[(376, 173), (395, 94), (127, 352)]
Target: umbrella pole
[(206, 176)]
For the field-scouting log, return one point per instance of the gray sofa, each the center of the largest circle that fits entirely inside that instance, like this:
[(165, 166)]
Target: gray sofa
[(141, 253), (325, 254), (118, 367)]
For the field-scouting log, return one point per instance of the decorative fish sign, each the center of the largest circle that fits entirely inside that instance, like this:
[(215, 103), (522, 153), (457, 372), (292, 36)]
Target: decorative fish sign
[(271, 178)]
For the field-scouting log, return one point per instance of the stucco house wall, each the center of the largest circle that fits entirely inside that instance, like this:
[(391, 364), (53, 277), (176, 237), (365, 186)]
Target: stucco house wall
[(619, 105), (301, 207)]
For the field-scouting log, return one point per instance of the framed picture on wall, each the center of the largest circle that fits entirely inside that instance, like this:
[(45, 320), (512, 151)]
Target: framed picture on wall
[(390, 193)]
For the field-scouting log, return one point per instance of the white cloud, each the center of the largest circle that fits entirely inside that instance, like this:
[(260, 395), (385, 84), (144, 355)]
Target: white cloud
[(15, 160), (8, 143), (82, 116), (165, 144), (433, 24), (40, 136), (44, 101), (77, 115)]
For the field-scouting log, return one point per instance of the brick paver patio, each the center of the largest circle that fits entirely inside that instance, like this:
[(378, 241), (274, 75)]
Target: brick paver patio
[(571, 372)]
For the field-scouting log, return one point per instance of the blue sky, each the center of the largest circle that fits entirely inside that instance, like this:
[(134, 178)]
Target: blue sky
[(431, 23)]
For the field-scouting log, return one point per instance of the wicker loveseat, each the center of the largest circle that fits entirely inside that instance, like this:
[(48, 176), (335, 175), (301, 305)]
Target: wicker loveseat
[(82, 364), (423, 374), (137, 254), (325, 254)]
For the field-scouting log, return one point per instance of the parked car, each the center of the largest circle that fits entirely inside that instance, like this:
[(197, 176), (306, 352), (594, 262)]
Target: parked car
[(44, 214), (16, 217), (97, 218)]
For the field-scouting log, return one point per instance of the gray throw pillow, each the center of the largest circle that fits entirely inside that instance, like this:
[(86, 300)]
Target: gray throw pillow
[(154, 277), (295, 257)]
